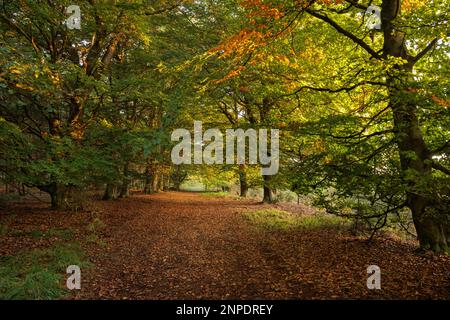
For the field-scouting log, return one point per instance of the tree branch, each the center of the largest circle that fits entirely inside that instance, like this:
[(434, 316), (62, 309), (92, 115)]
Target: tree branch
[(343, 89), (346, 33), (358, 5), (441, 168), (162, 10), (427, 49), (441, 148)]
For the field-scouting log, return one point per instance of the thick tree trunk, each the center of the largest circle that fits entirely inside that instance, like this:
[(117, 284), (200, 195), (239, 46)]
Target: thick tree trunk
[(58, 194), (432, 230), (430, 220), (432, 225), (268, 196)]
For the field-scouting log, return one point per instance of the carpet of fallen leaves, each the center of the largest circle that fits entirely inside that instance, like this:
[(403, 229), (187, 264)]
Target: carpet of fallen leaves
[(186, 246)]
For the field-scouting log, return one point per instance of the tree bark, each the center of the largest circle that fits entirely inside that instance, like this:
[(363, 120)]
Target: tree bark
[(124, 189), (268, 196), (243, 182), (148, 180), (431, 222), (110, 192), (155, 181), (58, 194)]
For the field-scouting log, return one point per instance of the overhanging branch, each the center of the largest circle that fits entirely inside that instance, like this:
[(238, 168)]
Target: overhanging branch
[(425, 51), (441, 168), (344, 32), (329, 90)]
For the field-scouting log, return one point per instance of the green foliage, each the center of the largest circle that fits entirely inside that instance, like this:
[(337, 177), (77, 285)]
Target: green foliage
[(96, 225), (93, 238), (38, 273), (363, 127)]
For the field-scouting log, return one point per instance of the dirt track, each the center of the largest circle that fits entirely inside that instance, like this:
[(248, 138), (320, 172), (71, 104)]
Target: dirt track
[(185, 246)]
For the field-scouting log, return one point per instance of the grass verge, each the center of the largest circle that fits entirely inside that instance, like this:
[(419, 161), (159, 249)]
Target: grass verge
[(283, 220), (38, 274)]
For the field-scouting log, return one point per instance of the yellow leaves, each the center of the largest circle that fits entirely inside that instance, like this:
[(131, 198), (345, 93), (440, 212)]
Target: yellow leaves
[(319, 146), (161, 67), (24, 87), (283, 59), (77, 130), (77, 134), (409, 5), (25, 75), (56, 123), (105, 123), (14, 70), (55, 78)]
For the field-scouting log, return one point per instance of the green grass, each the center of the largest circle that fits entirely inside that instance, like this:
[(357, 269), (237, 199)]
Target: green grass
[(221, 194), (4, 229), (38, 274), (96, 225), (95, 239), (6, 197), (216, 194), (283, 220)]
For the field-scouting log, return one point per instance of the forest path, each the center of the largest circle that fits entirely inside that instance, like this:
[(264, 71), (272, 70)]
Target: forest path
[(179, 245)]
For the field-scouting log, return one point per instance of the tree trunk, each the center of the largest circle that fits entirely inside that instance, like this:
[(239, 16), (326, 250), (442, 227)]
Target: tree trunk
[(268, 196), (148, 180), (22, 190), (110, 192), (155, 182), (166, 182), (160, 185), (124, 189), (176, 185), (243, 182), (58, 195), (431, 222)]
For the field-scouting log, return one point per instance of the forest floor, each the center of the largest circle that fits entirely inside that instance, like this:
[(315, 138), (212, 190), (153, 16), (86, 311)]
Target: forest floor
[(179, 245)]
